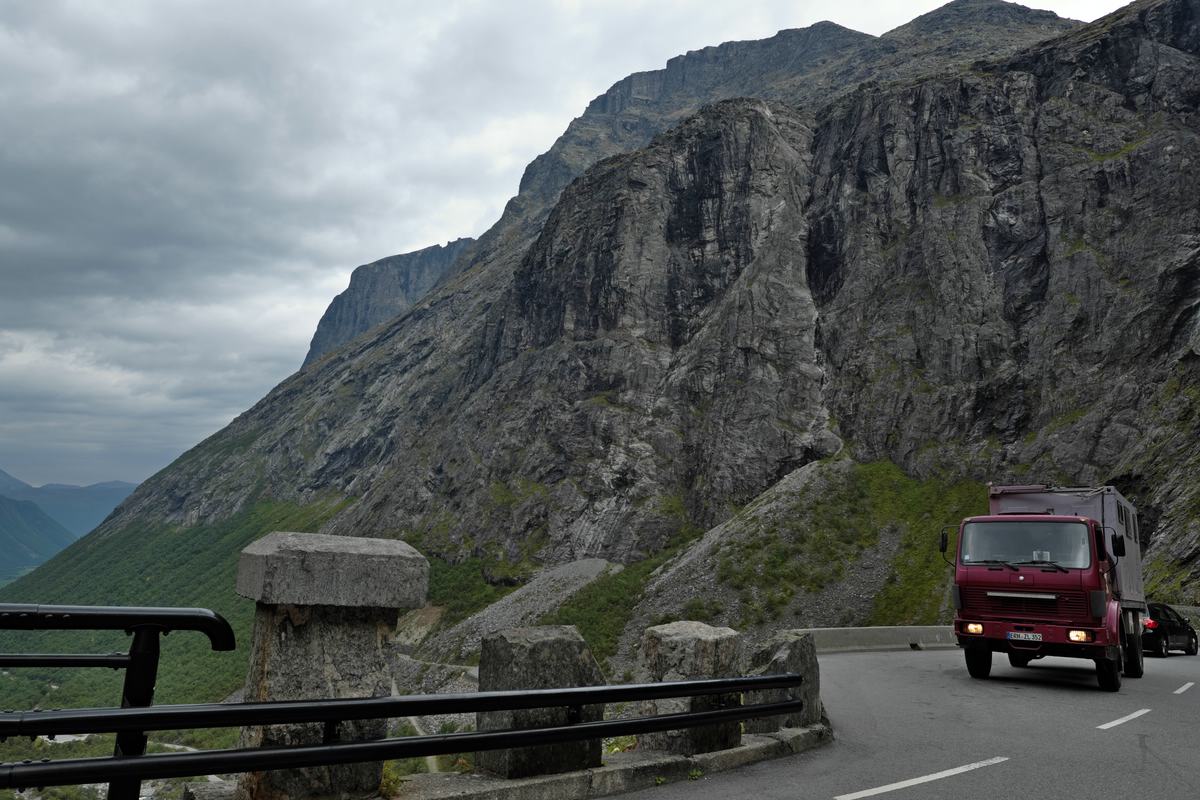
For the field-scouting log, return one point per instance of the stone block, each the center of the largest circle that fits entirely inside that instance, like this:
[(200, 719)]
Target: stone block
[(325, 617), (786, 651), (312, 569), (691, 651), (544, 657)]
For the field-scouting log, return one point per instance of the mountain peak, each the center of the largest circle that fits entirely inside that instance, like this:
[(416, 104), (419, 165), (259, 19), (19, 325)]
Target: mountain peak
[(964, 16), (10, 484)]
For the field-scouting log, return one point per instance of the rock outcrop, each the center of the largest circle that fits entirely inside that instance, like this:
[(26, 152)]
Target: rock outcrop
[(379, 291), (801, 67)]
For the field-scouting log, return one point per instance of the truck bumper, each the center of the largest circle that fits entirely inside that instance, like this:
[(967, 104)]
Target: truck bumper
[(1054, 640)]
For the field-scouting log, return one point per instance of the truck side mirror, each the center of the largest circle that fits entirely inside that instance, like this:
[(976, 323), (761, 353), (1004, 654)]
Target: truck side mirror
[(943, 541), (1118, 545)]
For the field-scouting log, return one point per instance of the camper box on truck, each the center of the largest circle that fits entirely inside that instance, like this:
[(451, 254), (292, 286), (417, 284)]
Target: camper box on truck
[(1051, 571), (1101, 503)]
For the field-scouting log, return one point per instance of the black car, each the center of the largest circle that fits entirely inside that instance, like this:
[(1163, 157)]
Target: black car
[(1165, 629)]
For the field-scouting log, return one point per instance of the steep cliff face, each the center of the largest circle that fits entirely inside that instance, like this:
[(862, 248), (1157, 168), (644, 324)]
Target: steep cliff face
[(379, 291), (803, 67), (993, 274)]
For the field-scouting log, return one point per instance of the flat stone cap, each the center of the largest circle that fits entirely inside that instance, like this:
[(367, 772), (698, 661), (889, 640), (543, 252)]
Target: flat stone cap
[(688, 630), (314, 569)]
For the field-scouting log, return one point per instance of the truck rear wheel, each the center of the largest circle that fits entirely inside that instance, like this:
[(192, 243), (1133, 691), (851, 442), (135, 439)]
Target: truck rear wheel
[(979, 662), (1019, 660), (1108, 674), (1193, 646), (1133, 656)]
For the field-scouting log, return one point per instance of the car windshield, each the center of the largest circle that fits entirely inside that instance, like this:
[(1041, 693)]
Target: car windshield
[(1063, 543)]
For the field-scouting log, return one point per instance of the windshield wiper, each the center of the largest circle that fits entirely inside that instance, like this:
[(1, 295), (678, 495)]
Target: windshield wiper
[(995, 561), (1044, 563)]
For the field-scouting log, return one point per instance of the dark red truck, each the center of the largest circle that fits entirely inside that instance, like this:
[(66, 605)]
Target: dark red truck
[(1051, 571)]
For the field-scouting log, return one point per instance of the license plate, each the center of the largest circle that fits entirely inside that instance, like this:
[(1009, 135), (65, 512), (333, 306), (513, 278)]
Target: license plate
[(1021, 636)]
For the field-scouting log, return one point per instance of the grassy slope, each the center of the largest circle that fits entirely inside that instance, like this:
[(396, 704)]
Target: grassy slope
[(780, 558), (146, 565)]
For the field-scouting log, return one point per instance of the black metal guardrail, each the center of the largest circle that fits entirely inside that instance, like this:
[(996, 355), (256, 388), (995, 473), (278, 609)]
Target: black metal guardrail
[(145, 624), (126, 769)]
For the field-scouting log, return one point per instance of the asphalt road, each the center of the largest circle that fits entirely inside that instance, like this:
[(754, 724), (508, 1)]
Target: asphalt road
[(1032, 732)]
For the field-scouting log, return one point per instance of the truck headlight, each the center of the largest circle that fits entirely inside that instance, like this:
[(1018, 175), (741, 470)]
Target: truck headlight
[(1080, 636), (974, 627)]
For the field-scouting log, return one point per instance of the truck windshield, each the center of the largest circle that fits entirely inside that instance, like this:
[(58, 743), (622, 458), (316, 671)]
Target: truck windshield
[(1062, 543)]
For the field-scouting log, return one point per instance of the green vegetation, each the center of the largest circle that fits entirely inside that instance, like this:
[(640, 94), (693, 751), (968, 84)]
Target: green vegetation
[(603, 608), (1169, 582), (21, 748), (830, 526), (144, 564), (461, 588)]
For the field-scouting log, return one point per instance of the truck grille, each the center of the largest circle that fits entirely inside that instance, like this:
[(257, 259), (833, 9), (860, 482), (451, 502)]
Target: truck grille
[(1066, 605)]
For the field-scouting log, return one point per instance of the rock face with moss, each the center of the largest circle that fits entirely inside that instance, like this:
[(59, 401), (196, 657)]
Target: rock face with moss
[(796, 328)]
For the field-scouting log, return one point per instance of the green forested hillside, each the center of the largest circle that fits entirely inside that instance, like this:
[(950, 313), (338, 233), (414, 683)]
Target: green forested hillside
[(138, 565), (27, 537)]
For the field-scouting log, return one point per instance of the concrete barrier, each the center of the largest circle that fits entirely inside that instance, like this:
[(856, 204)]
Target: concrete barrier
[(897, 637)]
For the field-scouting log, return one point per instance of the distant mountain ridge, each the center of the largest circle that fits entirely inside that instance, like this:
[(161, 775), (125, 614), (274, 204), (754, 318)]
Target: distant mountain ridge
[(79, 509)]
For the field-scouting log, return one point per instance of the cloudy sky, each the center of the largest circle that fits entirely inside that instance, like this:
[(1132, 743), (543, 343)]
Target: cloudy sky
[(185, 185)]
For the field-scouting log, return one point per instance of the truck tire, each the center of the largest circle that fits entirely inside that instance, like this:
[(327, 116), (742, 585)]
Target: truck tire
[(979, 662), (1134, 666), (1193, 646), (1108, 674), (1019, 660)]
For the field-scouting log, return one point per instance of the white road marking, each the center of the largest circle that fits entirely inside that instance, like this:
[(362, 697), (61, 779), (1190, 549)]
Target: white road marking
[(1184, 688), (1123, 719), (891, 787)]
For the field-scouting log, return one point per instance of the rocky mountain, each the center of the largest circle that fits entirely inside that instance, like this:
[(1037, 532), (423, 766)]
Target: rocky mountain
[(764, 358), (27, 537), (79, 509), (800, 67), (379, 291)]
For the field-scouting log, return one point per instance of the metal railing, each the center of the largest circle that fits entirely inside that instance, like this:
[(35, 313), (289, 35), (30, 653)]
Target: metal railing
[(145, 624), (126, 769)]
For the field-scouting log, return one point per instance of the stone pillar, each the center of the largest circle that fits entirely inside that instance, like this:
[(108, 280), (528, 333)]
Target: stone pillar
[(326, 608), (691, 651), (544, 657), (786, 651)]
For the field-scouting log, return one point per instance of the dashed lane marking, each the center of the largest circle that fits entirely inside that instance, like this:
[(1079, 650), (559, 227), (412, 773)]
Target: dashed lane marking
[(891, 787), (1123, 719), (1185, 687)]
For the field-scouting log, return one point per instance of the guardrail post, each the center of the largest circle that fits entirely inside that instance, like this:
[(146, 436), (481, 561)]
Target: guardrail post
[(141, 675), (786, 651), (691, 651), (326, 608), (543, 657)]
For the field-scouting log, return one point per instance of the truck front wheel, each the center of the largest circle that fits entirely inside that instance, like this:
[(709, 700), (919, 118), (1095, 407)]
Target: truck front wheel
[(979, 662), (1108, 674)]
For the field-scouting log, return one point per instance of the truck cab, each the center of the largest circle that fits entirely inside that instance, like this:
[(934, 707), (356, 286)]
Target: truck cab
[(1032, 584)]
